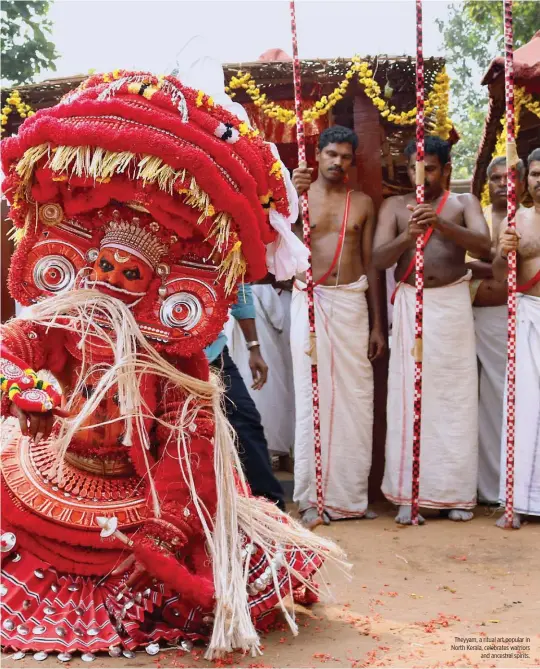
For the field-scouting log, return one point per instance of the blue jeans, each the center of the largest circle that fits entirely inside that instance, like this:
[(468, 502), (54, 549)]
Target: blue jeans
[(246, 422)]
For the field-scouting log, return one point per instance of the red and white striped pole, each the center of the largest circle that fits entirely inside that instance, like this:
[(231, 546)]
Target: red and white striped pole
[(511, 161), (300, 138), (419, 269)]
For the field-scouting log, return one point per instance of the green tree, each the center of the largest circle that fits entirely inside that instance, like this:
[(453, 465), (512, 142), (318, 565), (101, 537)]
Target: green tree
[(26, 49), (473, 36)]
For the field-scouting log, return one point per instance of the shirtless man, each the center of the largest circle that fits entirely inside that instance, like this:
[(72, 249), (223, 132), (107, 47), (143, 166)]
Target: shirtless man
[(491, 329), (449, 455), (525, 239), (349, 337), (485, 289)]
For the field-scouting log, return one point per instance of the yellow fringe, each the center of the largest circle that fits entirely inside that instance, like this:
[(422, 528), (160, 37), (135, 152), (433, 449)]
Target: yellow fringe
[(197, 198), (31, 156), (15, 235), (220, 229), (151, 169), (276, 168), (102, 165), (233, 267)]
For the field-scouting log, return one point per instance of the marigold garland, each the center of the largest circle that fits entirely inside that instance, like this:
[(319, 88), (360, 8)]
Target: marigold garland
[(436, 104), (14, 102), (521, 99)]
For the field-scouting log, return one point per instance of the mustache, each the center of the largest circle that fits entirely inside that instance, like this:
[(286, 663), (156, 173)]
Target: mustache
[(88, 283)]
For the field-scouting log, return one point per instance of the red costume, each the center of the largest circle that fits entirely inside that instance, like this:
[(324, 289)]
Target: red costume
[(139, 205)]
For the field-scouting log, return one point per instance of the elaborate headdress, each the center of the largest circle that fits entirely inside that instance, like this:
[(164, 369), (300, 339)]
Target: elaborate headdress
[(205, 192), (136, 240)]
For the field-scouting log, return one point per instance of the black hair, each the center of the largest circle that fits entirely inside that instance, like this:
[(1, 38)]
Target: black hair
[(338, 134), (533, 156), (433, 146)]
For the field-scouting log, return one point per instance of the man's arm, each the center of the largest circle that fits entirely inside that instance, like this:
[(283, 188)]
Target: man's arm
[(509, 241), (500, 267), (377, 341), (389, 244), (480, 269), (244, 312)]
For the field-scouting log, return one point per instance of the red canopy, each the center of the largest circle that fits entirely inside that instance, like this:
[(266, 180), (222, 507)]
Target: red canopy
[(526, 66)]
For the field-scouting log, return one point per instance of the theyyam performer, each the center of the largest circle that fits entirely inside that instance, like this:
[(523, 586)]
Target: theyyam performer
[(140, 205)]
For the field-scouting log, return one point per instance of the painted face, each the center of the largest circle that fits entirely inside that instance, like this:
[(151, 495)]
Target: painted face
[(122, 275)]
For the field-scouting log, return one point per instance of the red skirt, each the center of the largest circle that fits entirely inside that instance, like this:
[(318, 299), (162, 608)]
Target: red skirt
[(45, 610)]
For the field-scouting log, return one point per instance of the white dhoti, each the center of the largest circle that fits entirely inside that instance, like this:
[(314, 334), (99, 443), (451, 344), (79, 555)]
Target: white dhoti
[(491, 329), (275, 400), (527, 421), (346, 398), (449, 436)]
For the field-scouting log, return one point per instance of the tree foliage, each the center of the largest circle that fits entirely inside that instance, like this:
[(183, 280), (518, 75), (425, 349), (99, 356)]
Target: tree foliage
[(473, 36), (25, 32)]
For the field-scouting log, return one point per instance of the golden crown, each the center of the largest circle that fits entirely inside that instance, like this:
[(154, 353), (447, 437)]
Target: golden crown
[(136, 240)]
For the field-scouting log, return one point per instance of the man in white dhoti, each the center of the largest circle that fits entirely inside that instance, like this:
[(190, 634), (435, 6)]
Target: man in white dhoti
[(491, 329), (275, 400), (449, 437), (349, 338), (526, 241)]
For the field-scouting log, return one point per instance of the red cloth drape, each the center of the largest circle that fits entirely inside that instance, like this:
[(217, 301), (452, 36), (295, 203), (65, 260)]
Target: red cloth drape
[(281, 133)]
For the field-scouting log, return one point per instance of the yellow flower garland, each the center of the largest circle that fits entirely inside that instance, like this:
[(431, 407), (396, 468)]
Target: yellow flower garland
[(14, 102), (436, 103), (521, 99)]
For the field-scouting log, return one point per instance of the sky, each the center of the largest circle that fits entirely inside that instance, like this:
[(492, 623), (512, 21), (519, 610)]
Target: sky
[(148, 34)]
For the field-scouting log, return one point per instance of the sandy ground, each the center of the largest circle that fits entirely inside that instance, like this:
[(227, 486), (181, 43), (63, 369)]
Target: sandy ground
[(415, 593)]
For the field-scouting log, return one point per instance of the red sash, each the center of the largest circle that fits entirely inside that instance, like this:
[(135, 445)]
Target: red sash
[(531, 283), (340, 243), (427, 235)]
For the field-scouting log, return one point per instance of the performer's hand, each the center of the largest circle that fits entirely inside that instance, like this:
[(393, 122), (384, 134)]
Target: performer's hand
[(301, 178), (259, 369), (36, 425), (424, 214), (415, 229), (377, 345), (509, 241)]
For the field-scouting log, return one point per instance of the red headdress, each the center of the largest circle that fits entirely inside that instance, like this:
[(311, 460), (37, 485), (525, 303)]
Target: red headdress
[(141, 151)]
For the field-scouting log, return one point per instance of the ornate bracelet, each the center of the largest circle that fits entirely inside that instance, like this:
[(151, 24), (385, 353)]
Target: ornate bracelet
[(23, 387)]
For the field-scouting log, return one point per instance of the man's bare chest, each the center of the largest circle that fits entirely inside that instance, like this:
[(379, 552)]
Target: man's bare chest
[(529, 244), (328, 218)]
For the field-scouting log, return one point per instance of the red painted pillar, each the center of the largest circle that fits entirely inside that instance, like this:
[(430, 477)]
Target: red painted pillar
[(369, 179)]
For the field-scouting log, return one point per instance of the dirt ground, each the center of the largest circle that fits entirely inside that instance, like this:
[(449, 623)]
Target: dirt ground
[(440, 595)]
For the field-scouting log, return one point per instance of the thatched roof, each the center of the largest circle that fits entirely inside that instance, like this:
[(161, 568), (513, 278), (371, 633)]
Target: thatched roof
[(274, 77), (398, 70)]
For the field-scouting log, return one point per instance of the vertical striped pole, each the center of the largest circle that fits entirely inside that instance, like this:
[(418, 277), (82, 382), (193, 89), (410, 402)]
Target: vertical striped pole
[(511, 160), (419, 267), (309, 275)]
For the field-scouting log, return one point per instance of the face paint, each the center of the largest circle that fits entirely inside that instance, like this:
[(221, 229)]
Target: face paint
[(120, 274)]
